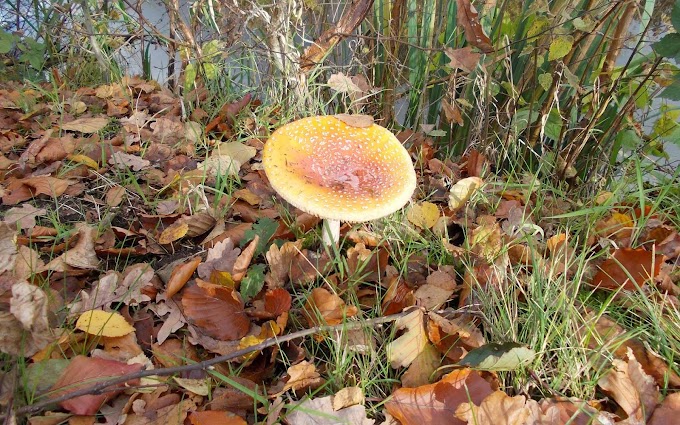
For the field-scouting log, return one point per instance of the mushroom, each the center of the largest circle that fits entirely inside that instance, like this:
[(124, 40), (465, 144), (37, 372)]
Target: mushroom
[(338, 170)]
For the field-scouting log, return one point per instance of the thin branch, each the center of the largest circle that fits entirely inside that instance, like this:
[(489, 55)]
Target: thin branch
[(104, 386)]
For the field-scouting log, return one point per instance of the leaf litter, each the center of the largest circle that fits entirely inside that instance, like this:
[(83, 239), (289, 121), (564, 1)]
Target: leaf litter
[(145, 266)]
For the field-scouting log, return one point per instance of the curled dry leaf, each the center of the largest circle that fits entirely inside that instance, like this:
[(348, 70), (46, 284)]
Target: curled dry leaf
[(216, 310), (454, 336), (461, 192), (243, 260), (325, 308), (640, 265), (199, 224), (103, 323), (221, 257), (27, 188), (86, 371), (81, 256), (180, 275), (23, 217), (124, 160), (463, 58), (437, 403), (25, 330), (468, 19), (8, 246), (667, 412), (301, 377)]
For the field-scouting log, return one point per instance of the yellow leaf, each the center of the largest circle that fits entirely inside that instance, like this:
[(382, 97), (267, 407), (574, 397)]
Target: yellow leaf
[(403, 350), (103, 323), (462, 191), (173, 232), (85, 160), (560, 47), (423, 215)]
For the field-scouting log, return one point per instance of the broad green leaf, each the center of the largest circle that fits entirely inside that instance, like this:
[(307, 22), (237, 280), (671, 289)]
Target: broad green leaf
[(498, 357), (6, 42), (675, 16), (560, 47), (545, 80), (668, 46), (539, 25), (189, 75), (253, 282), (265, 228), (672, 92)]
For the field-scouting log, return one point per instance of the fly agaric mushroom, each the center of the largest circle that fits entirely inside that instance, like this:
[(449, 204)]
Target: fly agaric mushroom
[(339, 171)]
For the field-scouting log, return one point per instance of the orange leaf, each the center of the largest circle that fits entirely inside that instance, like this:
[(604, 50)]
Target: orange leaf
[(243, 260), (323, 307), (639, 264), (277, 301), (218, 311), (437, 403), (180, 275)]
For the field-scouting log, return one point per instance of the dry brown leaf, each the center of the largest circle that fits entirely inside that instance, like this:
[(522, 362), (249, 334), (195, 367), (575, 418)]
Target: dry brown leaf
[(437, 403), (496, 409), (325, 308), (115, 195), (23, 217), (243, 260), (632, 389), (199, 224), (319, 411), (463, 58), (216, 310), (348, 396), (468, 19), (180, 275), (8, 246), (221, 258), (667, 413), (358, 121), (124, 160), (27, 188), (301, 377), (454, 336), (280, 261), (25, 329), (641, 265), (81, 256), (215, 417), (86, 125), (422, 368), (84, 372)]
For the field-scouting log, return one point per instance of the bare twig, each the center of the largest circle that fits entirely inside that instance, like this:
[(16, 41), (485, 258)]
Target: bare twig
[(105, 386)]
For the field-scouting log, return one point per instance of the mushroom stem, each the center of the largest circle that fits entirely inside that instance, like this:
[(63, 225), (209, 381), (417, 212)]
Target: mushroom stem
[(330, 232)]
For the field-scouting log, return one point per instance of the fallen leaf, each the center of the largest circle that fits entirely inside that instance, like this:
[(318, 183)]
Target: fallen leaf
[(25, 329), (215, 417), (81, 256), (437, 403), (30, 187), (423, 215), (103, 323), (319, 411), (341, 83), (86, 125), (666, 413), (358, 121), (174, 232), (221, 257), (23, 217), (124, 160), (403, 350), (180, 275), (243, 260), (301, 377), (325, 308), (216, 310), (496, 409), (86, 371), (8, 246), (461, 192), (632, 389), (114, 196), (626, 263), (422, 368), (348, 396)]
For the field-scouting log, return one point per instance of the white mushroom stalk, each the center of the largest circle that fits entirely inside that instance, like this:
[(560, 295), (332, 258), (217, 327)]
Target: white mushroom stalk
[(337, 171)]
